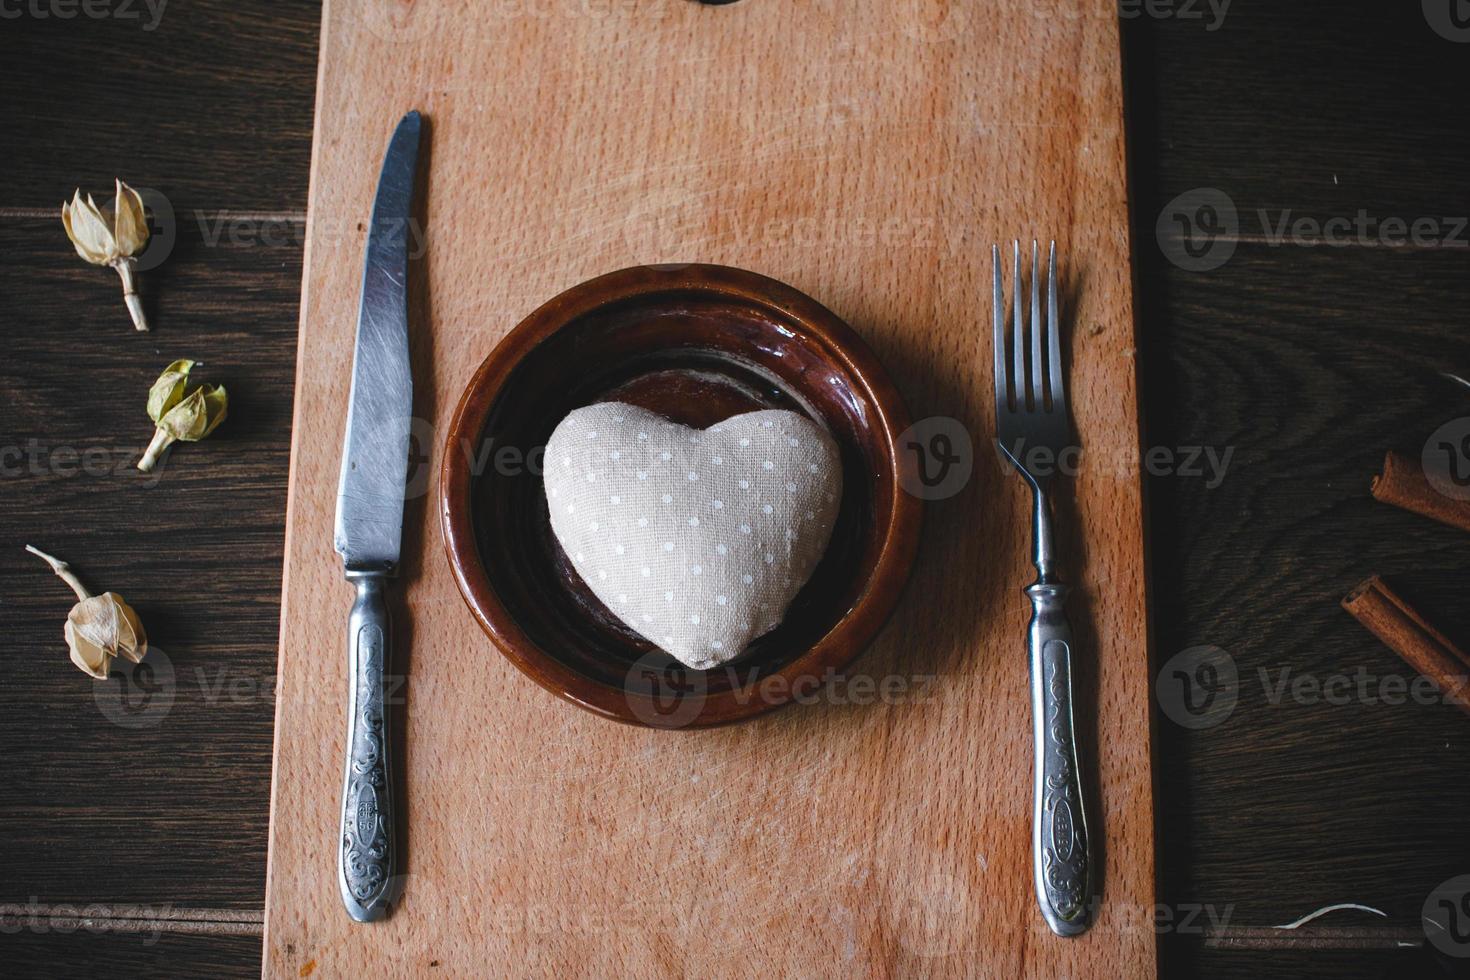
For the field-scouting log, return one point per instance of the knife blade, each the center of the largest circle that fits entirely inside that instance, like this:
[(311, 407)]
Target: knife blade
[(380, 406), (368, 532)]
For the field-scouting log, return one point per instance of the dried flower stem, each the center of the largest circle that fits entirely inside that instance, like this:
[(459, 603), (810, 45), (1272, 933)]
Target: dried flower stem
[(181, 414), (161, 440), (124, 267), (63, 570)]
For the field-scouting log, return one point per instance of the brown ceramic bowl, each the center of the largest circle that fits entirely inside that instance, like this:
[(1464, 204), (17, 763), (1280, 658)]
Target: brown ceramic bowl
[(697, 344)]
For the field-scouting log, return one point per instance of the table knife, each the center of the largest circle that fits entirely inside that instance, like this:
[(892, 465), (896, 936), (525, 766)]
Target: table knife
[(369, 530)]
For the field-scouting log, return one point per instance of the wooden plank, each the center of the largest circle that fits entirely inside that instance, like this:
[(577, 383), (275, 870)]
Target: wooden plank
[(1181, 958), (202, 101), (1309, 365), (172, 813), (888, 838), (30, 954), (1304, 108), (151, 788)]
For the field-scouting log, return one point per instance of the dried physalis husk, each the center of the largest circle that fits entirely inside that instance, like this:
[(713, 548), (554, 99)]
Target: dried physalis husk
[(99, 627), (179, 414), (111, 236)]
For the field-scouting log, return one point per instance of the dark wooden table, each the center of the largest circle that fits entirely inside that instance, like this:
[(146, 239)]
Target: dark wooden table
[(133, 816)]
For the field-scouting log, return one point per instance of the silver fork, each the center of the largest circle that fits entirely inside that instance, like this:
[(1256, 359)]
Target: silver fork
[(1034, 432)]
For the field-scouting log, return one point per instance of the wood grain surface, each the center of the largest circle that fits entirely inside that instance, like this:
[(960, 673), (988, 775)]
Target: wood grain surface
[(1319, 106), (171, 749), (202, 101), (890, 837)]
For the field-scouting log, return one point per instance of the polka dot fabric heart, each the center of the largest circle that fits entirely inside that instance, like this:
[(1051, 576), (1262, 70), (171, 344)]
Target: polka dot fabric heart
[(697, 539)]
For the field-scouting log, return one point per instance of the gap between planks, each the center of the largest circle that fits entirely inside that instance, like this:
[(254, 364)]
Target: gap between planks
[(1308, 937), (102, 917), (1284, 241), (224, 214)]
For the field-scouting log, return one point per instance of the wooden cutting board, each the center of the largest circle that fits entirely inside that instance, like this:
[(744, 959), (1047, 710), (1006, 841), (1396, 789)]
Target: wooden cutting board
[(867, 152)]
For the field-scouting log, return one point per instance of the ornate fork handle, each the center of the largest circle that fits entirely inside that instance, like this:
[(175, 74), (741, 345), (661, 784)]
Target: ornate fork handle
[(1061, 848)]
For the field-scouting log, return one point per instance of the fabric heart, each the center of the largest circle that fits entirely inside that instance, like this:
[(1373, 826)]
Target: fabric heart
[(697, 539)]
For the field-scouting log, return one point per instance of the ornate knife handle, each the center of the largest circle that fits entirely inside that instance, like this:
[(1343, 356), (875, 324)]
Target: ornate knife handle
[(368, 858), (1061, 850)]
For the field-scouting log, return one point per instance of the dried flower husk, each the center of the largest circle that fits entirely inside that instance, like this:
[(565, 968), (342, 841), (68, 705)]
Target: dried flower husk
[(111, 236), (168, 390), (98, 628), (181, 415)]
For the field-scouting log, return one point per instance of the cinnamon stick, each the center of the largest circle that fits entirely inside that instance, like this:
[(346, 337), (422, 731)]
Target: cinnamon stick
[(1403, 484), (1406, 633)]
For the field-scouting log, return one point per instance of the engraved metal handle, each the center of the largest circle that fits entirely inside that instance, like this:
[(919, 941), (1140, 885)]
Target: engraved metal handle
[(1061, 849), (367, 867)]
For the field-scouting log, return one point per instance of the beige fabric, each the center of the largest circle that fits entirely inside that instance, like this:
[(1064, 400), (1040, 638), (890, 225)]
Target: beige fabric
[(696, 539)]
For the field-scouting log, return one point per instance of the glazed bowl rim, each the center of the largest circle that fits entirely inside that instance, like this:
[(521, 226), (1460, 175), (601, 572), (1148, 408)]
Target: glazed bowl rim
[(887, 417)]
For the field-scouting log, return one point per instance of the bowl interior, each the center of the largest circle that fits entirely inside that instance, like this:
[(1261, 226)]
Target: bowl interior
[(696, 356)]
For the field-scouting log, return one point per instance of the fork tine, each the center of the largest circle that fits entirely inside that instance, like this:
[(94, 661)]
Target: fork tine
[(1037, 371), (1018, 337), (1056, 380), (1002, 384)]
